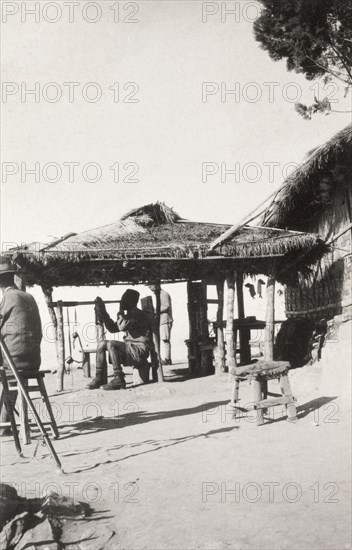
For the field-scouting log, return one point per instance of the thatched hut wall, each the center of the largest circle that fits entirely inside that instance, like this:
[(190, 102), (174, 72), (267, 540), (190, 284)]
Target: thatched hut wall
[(317, 198), (328, 291)]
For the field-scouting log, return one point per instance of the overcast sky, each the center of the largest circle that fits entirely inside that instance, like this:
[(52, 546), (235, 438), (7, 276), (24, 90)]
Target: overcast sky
[(162, 125)]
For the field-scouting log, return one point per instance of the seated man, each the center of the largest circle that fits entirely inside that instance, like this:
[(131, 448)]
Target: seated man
[(135, 348), (20, 326)]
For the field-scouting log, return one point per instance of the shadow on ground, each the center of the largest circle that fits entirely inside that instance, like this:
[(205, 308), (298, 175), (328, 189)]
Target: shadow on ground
[(154, 446), (308, 408), (100, 423)]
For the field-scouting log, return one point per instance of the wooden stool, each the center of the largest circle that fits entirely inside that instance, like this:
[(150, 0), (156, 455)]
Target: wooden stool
[(260, 372), (86, 361), (141, 374), (9, 385)]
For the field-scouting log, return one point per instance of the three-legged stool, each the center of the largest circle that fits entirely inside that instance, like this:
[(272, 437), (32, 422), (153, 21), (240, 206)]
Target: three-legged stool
[(259, 373), (9, 385)]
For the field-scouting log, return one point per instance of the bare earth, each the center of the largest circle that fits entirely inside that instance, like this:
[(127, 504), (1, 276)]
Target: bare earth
[(166, 466)]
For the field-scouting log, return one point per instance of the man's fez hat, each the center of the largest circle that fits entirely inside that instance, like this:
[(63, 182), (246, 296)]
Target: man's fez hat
[(6, 266)]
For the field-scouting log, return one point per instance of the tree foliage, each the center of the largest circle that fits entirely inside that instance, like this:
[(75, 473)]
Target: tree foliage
[(314, 36)]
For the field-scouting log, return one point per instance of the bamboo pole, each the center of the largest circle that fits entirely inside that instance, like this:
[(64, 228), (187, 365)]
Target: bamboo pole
[(335, 237), (219, 351), (157, 333), (230, 342), (60, 337), (270, 319), (232, 230)]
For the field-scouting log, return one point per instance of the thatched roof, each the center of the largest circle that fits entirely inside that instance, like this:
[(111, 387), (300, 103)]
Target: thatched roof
[(154, 243), (305, 193)]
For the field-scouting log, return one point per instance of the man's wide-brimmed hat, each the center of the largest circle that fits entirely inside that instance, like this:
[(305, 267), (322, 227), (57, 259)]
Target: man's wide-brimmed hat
[(6, 266)]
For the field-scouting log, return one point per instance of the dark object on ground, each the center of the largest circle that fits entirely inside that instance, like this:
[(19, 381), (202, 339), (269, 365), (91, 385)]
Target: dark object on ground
[(39, 534), (13, 531), (29, 522), (9, 503), (63, 507), (293, 342)]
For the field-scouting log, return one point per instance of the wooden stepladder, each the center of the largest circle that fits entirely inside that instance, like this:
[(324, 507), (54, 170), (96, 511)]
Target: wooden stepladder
[(7, 401)]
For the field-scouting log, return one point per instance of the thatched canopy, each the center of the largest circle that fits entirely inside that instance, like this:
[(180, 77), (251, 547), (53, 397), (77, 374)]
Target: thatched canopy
[(308, 189), (153, 243)]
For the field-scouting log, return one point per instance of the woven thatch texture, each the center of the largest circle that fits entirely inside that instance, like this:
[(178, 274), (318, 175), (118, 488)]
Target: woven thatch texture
[(127, 239), (308, 189), (160, 235)]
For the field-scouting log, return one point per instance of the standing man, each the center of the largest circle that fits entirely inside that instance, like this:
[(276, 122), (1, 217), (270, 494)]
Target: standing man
[(166, 322), (135, 348), (20, 324)]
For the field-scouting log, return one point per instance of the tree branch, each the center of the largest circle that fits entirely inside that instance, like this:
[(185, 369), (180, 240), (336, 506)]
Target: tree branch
[(342, 58), (326, 69)]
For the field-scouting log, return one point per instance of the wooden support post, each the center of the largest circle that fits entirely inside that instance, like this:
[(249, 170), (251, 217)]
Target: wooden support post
[(244, 333), (206, 348), (239, 292), (192, 358), (60, 359), (270, 319), (230, 341), (157, 333), (190, 309), (48, 300), (60, 336), (219, 352), (138, 378)]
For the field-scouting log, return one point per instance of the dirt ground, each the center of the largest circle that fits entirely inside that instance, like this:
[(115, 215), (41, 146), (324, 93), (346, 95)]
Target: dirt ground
[(167, 466)]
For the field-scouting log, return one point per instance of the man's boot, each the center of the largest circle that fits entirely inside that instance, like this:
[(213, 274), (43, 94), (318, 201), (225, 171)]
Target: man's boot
[(118, 382), (100, 378), (115, 384)]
